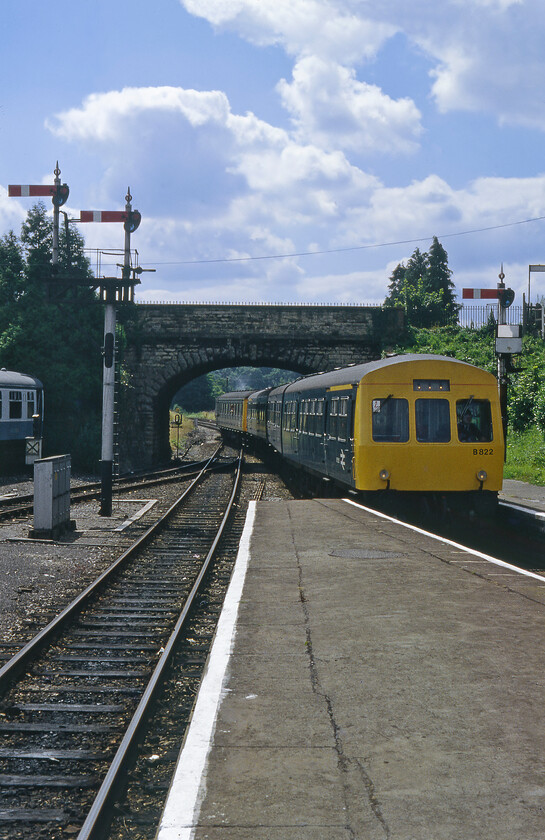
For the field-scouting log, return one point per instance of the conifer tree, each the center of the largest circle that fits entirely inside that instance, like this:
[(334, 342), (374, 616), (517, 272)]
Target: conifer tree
[(424, 288), (52, 330)]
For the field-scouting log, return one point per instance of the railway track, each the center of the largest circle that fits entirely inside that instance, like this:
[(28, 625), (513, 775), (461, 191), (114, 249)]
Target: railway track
[(77, 698), (21, 505)]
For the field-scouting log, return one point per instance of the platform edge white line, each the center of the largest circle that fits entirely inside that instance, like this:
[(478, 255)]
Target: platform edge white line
[(487, 557), (188, 786)]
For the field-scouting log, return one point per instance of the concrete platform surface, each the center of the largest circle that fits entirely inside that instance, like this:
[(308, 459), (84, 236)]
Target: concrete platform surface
[(382, 685), (519, 492)]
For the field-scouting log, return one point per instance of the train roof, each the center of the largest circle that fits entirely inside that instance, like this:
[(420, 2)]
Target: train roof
[(13, 379), (257, 396), (236, 395), (354, 374)]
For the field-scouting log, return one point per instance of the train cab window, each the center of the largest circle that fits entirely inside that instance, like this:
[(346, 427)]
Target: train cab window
[(474, 420), (390, 420), (15, 405), (432, 421)]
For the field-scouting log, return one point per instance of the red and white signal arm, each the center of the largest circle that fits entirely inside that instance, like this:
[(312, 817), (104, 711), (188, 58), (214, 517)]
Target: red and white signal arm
[(59, 193), (103, 215), (130, 218), (24, 190), (479, 294), (505, 296)]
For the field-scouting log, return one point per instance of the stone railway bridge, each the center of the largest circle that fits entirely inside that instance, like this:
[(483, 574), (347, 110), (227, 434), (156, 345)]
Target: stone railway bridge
[(171, 344)]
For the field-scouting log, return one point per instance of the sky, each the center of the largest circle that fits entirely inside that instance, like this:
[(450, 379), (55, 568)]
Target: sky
[(284, 150)]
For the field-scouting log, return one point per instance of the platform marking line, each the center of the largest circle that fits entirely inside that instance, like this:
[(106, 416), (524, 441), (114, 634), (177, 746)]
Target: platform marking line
[(465, 548), (537, 514), (188, 786)]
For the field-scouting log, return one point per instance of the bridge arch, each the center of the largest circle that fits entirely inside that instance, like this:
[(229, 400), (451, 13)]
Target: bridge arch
[(169, 345)]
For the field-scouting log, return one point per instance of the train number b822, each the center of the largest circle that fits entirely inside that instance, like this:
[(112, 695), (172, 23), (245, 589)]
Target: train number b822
[(483, 451)]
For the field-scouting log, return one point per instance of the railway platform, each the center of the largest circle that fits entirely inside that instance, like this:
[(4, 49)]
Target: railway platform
[(367, 682), (521, 493)]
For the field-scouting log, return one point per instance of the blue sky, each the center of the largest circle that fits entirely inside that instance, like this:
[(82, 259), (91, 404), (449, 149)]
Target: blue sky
[(248, 129)]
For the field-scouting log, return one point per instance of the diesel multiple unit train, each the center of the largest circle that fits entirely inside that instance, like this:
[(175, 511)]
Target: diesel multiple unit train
[(420, 426), (21, 413)]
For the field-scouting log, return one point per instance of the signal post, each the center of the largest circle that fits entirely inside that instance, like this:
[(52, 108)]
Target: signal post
[(508, 337), (113, 291)]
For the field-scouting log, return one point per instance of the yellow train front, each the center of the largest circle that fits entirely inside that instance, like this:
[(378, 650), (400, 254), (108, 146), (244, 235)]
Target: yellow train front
[(407, 427), (429, 424)]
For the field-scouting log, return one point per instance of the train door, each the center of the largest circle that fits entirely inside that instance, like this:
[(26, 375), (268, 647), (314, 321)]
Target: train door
[(339, 435)]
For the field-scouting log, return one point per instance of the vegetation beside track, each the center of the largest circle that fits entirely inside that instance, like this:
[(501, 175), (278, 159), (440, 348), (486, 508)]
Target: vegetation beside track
[(182, 426)]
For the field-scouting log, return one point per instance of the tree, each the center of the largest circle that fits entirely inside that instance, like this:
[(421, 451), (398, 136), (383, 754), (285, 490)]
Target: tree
[(439, 279), (52, 335), (12, 267), (395, 286), (417, 268), (424, 288)]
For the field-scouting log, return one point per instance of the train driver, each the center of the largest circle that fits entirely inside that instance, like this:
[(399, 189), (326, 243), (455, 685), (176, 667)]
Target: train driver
[(467, 430)]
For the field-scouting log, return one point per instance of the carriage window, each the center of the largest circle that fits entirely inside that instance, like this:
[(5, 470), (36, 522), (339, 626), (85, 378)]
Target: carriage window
[(304, 416), (332, 420), (432, 421), (15, 405), (286, 419), (474, 420), (30, 404), (390, 420)]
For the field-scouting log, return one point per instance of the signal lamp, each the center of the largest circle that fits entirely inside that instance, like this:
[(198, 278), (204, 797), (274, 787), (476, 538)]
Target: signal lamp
[(482, 475), (384, 475)]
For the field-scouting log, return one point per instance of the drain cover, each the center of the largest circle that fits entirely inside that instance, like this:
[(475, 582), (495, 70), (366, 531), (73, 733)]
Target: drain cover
[(363, 554)]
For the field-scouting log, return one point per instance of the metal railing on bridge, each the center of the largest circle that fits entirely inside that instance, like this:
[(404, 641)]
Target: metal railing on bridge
[(475, 316)]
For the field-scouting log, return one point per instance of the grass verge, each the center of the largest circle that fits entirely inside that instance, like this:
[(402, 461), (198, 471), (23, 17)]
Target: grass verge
[(526, 456)]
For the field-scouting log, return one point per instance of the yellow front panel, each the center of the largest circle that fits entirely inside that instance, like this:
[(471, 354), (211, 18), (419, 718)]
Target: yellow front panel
[(245, 415), (420, 466)]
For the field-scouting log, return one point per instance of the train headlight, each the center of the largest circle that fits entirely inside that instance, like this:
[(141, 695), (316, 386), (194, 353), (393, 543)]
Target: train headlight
[(482, 475), (384, 475)]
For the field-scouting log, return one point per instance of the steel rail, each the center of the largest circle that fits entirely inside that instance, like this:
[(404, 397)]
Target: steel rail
[(99, 817), (24, 503), (20, 661)]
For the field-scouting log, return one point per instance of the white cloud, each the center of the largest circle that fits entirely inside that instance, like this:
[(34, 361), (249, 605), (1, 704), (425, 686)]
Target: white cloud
[(356, 286), (104, 116), (488, 54), (302, 27), (222, 185), (333, 109)]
